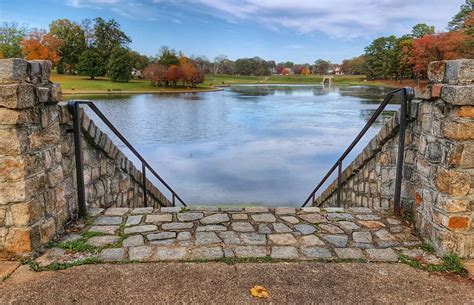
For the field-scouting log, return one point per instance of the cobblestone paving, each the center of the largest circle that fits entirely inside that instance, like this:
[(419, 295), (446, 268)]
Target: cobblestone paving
[(144, 234)]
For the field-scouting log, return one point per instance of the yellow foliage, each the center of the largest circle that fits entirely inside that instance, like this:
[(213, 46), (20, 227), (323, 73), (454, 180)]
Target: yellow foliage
[(259, 292)]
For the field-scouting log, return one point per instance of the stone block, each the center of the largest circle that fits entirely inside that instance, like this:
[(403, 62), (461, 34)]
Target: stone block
[(18, 240), (453, 182), (459, 71), (47, 230), (423, 93), (436, 90), (44, 94), (18, 96), (459, 131), (459, 223), (40, 71), (458, 95), (452, 205), (56, 93), (436, 71), (12, 168), (26, 213), (13, 70), (461, 155), (19, 117)]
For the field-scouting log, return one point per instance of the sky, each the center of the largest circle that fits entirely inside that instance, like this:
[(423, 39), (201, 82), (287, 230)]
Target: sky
[(282, 30)]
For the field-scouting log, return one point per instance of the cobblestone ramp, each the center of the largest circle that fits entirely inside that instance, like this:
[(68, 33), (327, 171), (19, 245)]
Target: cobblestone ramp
[(167, 234)]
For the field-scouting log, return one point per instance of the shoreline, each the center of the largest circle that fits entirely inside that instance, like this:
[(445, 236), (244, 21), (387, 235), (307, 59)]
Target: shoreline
[(92, 92)]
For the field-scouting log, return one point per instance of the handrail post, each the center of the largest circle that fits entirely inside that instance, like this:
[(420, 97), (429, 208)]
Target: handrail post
[(174, 199), (407, 95), (76, 125), (339, 181), (145, 199)]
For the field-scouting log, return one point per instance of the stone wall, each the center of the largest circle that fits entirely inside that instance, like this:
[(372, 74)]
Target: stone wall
[(37, 165), (110, 178), (438, 182)]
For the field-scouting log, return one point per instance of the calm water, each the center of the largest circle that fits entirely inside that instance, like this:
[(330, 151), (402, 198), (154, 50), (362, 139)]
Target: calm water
[(263, 144)]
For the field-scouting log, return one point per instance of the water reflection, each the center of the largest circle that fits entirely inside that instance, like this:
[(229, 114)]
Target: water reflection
[(265, 144)]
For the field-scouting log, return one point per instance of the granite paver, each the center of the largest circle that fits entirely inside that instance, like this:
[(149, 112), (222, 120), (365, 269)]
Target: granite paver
[(287, 233)]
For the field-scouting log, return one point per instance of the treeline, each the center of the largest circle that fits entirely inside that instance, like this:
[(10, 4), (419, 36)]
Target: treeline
[(95, 47), (408, 56), (168, 69)]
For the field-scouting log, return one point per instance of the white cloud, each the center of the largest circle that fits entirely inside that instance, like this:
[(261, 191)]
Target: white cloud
[(336, 18)]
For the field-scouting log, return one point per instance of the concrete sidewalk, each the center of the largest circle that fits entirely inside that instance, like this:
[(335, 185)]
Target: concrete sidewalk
[(205, 283)]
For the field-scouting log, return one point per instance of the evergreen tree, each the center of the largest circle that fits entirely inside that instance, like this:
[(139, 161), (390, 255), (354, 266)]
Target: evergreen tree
[(119, 67), (90, 63)]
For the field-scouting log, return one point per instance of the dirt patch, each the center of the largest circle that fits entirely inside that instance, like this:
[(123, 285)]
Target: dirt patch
[(222, 283)]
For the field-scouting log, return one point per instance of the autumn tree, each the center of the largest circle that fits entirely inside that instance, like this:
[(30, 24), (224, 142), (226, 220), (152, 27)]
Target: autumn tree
[(74, 42), (354, 65), (442, 46), (174, 74), (156, 73), (11, 35), (119, 67), (190, 72), (40, 45)]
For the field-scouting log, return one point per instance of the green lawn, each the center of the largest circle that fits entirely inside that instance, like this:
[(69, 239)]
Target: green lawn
[(82, 84), (279, 79)]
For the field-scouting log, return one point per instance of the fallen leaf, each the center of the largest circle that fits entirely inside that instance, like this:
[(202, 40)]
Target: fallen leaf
[(259, 292)]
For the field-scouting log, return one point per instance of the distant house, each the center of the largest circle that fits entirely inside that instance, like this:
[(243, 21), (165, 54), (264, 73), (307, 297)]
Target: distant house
[(136, 73), (336, 70)]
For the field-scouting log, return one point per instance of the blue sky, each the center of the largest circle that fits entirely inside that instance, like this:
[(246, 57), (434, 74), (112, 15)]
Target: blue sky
[(299, 31)]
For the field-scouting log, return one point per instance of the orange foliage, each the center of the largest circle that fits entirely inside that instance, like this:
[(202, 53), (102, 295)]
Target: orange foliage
[(174, 74), (305, 71), (442, 46), (40, 45)]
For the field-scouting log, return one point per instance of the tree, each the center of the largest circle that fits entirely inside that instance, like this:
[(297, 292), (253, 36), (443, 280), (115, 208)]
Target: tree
[(321, 66), (156, 73), (173, 75), (168, 57), (11, 35), (458, 20), (354, 65), (90, 63), (422, 29), (189, 72), (108, 37), (119, 67), (40, 45), (139, 62), (74, 42), (305, 71), (442, 46), (382, 58)]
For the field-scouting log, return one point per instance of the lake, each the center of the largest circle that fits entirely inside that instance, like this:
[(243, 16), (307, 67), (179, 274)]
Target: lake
[(246, 145)]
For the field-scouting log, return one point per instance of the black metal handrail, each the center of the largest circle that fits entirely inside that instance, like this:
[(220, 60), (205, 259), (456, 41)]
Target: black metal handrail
[(407, 96), (74, 109)]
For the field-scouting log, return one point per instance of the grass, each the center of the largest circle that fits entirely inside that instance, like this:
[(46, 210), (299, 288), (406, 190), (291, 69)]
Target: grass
[(82, 84), (62, 266), (427, 247), (451, 263), (280, 79)]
